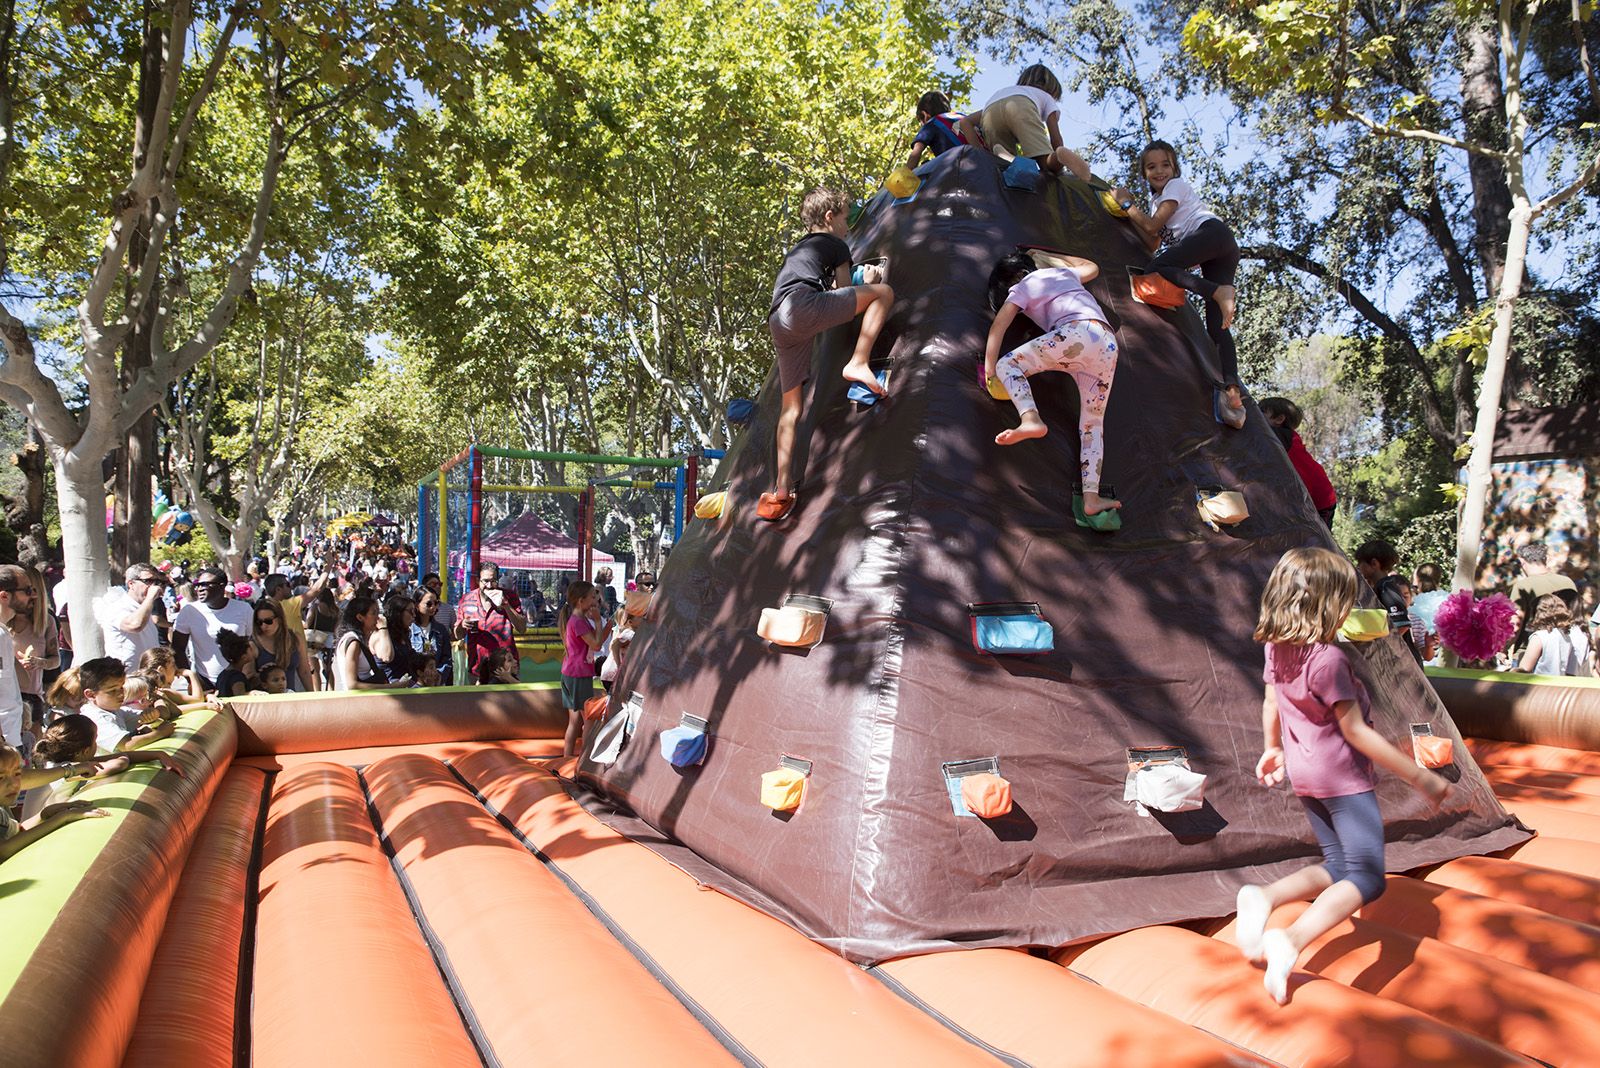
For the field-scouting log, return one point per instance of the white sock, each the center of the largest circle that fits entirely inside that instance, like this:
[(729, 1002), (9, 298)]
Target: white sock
[(1281, 957), (1254, 911)]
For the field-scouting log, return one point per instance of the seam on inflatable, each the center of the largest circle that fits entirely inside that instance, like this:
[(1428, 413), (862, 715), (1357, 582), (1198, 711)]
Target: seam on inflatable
[(441, 958), (1224, 1039), (649, 963), (244, 997), (909, 996)]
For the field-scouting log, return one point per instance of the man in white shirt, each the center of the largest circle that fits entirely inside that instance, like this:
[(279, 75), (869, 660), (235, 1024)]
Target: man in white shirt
[(199, 622), (12, 579), (126, 615)]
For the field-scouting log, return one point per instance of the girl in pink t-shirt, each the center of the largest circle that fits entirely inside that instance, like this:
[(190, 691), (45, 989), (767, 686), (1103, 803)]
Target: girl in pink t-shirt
[(582, 639), (1077, 339), (1314, 719)]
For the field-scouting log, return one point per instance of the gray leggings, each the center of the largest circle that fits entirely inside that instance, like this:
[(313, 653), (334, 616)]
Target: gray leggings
[(1350, 831)]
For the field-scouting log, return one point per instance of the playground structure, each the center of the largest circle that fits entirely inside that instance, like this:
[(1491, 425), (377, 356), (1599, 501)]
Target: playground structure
[(399, 877), (477, 509)]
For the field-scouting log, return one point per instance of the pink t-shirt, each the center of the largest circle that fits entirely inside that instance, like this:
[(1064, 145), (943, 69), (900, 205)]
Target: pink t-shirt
[(1053, 297), (576, 664), (1309, 680)]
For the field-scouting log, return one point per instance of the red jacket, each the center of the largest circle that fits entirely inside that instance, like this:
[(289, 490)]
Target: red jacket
[(1311, 473)]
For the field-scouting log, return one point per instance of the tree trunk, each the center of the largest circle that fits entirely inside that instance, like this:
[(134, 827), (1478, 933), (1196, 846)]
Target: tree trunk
[(1483, 112), (80, 492), (1469, 533), (25, 512)]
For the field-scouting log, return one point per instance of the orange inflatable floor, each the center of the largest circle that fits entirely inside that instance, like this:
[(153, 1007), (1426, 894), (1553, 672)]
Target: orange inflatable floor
[(452, 905)]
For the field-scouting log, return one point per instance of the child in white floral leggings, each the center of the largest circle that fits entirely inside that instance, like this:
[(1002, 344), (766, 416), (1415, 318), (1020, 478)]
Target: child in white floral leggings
[(1077, 340)]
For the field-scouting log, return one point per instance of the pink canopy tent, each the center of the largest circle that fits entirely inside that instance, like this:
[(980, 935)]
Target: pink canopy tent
[(529, 543)]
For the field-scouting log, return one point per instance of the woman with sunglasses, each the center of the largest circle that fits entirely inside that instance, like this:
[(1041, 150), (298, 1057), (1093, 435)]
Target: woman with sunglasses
[(275, 643)]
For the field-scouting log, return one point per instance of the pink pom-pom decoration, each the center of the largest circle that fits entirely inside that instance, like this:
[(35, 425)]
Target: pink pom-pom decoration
[(1474, 629)]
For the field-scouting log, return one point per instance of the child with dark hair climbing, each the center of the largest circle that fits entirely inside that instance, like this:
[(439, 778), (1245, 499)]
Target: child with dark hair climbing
[(1285, 417), (1314, 722), (577, 668), (812, 294), (1193, 236), (936, 133), (1077, 339), (1025, 120), (16, 834)]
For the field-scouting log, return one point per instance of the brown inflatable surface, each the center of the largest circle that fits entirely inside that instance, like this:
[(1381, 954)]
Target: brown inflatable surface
[(786, 999), (907, 512), (342, 974), (188, 1013), (1516, 710), (316, 722)]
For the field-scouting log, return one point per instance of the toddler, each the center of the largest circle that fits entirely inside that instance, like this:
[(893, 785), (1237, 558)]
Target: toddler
[(16, 834), (1316, 733), (1025, 120), (812, 294), (1077, 340)]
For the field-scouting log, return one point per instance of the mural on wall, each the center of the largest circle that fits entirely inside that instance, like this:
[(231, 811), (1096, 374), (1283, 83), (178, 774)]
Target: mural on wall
[(1556, 501)]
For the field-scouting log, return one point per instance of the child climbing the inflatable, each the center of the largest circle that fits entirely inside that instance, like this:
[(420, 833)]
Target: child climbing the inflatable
[(1193, 237), (936, 133), (1077, 339), (1316, 732), (1025, 120), (812, 294)]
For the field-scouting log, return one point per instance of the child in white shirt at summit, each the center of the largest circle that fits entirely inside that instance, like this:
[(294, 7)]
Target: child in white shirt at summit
[(1025, 120)]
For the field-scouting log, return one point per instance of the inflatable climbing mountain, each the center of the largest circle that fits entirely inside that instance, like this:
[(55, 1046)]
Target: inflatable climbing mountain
[(881, 773)]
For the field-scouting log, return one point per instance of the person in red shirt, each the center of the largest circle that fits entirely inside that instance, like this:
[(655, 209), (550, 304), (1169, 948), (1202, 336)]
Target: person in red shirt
[(488, 618), (1285, 417)]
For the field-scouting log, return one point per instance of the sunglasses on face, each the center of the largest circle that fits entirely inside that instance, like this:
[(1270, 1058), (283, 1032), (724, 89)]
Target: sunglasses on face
[(265, 621), (647, 585)]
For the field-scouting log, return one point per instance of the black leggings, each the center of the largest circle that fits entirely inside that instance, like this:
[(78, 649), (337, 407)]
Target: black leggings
[(1213, 248)]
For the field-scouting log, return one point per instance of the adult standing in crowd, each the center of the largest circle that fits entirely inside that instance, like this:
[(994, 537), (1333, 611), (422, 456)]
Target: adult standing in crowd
[(279, 588), (354, 666), (391, 642), (199, 622), (1536, 581), (321, 619), (276, 643), (33, 631), (488, 618), (13, 581), (608, 595), (127, 615), (430, 637), (446, 615)]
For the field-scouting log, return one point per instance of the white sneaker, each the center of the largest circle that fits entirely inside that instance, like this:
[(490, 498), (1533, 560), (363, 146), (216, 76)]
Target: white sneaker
[(1281, 957), (1254, 911)]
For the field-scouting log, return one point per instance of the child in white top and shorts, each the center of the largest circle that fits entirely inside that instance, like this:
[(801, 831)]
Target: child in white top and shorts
[(1025, 120)]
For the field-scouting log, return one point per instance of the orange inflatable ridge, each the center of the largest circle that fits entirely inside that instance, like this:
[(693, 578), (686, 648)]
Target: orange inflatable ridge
[(1570, 781), (1050, 1018), (187, 1011), (342, 975), (1530, 755), (1515, 934), (1516, 793), (1560, 893), (1558, 854), (807, 1006), (540, 972), (1536, 1015), (1206, 984)]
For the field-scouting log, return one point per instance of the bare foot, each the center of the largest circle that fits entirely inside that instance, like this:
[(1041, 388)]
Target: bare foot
[(861, 374), (1227, 299), (1094, 504), (1032, 427)]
